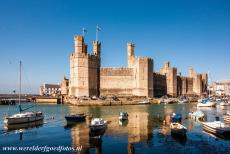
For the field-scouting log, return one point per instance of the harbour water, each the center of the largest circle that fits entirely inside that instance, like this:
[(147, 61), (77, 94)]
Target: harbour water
[(144, 132)]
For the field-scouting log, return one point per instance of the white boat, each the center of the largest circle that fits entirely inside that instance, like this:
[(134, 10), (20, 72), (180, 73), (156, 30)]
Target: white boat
[(202, 99), (178, 129), (97, 124), (23, 117), (182, 101), (123, 116), (224, 103), (197, 115), (206, 103), (146, 101), (217, 128)]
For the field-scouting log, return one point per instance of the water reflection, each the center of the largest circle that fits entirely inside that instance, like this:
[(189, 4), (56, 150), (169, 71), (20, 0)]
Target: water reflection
[(123, 123), (143, 132), (139, 127)]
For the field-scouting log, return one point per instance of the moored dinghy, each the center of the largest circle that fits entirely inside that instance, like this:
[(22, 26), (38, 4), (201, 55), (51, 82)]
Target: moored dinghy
[(98, 124), (178, 129), (75, 118)]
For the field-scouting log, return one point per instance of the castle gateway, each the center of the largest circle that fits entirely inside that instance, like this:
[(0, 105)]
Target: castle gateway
[(88, 78)]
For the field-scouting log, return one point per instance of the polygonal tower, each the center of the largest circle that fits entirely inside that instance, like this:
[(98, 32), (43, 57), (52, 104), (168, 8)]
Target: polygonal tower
[(84, 69)]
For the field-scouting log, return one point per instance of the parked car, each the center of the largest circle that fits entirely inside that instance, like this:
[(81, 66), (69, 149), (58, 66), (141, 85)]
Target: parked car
[(102, 97), (94, 97)]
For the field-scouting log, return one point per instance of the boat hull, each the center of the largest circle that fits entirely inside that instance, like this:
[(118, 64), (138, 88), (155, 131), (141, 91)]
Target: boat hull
[(210, 104), (227, 119), (23, 125), (96, 128), (178, 131), (75, 118), (21, 120), (220, 132), (224, 104)]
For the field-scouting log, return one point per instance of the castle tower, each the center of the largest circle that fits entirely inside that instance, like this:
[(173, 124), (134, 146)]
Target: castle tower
[(191, 72), (167, 64), (197, 84), (97, 48), (97, 53), (84, 69), (143, 77), (171, 78), (131, 56), (79, 45)]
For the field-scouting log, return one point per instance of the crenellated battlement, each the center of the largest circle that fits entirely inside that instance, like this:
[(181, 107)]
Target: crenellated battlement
[(87, 78)]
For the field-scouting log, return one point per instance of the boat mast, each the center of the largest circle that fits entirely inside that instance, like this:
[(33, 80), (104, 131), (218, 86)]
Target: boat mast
[(20, 82)]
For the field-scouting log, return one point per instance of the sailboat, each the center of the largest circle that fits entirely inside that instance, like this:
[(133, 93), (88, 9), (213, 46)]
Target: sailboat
[(23, 117)]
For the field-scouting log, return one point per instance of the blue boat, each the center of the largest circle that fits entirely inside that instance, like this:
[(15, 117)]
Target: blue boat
[(75, 118)]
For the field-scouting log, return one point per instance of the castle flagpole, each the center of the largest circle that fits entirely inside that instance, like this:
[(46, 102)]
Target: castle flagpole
[(97, 31), (84, 31)]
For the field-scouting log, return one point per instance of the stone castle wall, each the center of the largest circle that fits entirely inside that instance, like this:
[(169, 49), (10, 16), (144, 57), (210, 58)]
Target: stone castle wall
[(87, 78), (116, 81)]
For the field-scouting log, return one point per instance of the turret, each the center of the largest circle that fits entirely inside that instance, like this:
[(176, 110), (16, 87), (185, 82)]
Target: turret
[(79, 44), (131, 57), (97, 48), (130, 49), (190, 72), (167, 64)]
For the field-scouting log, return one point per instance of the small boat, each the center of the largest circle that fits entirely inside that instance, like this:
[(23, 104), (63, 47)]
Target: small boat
[(182, 101), (146, 101), (123, 116), (178, 129), (217, 128), (75, 118), (197, 115), (224, 103), (206, 103), (97, 124)]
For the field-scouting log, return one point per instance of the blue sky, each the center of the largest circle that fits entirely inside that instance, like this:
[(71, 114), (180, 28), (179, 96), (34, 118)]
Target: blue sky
[(40, 33)]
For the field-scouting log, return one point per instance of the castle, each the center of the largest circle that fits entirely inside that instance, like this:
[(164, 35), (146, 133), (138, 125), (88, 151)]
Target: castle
[(88, 78)]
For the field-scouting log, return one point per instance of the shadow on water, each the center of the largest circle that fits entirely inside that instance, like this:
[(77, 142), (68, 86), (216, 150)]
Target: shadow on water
[(180, 139)]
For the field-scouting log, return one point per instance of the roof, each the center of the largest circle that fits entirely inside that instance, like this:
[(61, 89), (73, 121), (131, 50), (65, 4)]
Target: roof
[(51, 85)]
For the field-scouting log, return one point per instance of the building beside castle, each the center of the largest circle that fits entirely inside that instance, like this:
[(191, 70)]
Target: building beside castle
[(88, 78)]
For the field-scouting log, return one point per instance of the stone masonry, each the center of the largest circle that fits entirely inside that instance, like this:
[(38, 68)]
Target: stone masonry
[(88, 78)]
